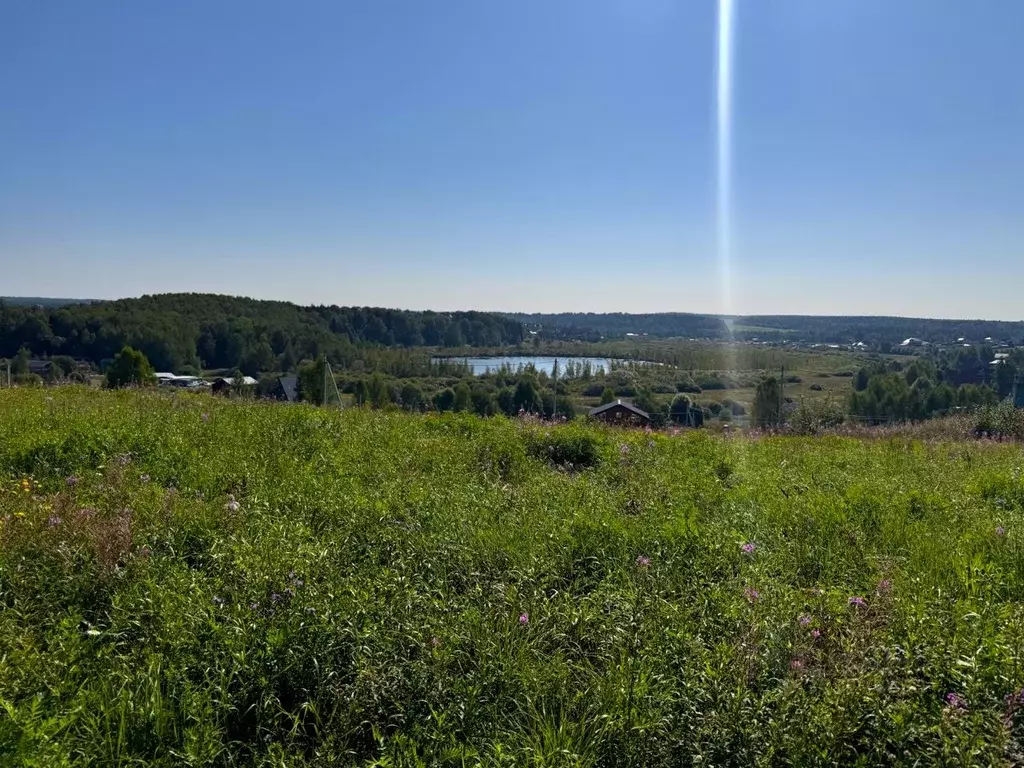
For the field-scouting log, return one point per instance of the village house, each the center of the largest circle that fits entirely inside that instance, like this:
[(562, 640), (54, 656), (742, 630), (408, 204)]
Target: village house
[(621, 414)]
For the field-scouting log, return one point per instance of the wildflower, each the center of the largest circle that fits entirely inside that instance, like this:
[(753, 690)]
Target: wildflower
[(232, 505), (524, 618), (884, 586), (145, 551), (289, 592), (1000, 531), (71, 481), (275, 598), (86, 513), (650, 443), (435, 641), (796, 665), (805, 620), (254, 606), (815, 633), (219, 601), (310, 611), (624, 449), (144, 478), (859, 602), (955, 701), (205, 417), (751, 594), (749, 548), (19, 514), (643, 562), (124, 459), (53, 521)]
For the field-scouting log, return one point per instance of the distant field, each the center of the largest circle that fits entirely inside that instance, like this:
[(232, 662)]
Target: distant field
[(186, 580)]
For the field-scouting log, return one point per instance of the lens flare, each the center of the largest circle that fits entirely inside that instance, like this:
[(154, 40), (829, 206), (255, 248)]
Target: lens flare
[(726, 18)]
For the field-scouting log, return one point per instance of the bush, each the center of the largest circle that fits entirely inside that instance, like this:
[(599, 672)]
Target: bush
[(690, 388), (816, 388), (567, 447), (737, 409)]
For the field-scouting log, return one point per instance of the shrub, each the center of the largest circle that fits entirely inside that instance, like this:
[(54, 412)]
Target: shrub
[(567, 447)]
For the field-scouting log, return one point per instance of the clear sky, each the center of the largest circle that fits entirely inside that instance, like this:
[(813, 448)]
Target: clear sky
[(535, 155)]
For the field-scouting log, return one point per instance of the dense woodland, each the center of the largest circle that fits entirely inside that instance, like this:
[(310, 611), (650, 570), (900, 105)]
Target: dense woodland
[(181, 331), (876, 331)]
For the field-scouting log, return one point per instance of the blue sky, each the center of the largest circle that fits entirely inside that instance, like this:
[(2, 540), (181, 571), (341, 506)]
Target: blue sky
[(536, 155)]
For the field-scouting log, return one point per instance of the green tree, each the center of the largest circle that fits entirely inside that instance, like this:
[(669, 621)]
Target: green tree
[(526, 396), (483, 402), (411, 396), (445, 399), (20, 365), (767, 411), (607, 396), (361, 392), (379, 395), (129, 368), (463, 401)]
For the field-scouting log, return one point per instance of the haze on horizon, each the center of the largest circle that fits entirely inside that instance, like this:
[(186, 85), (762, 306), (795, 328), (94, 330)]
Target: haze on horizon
[(535, 156)]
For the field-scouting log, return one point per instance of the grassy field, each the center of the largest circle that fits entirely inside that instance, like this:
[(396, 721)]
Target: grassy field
[(190, 581)]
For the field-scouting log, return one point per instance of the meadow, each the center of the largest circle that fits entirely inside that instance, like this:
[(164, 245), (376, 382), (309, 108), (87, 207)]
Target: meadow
[(193, 581)]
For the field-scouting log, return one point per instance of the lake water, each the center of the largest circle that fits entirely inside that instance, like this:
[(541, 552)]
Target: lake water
[(544, 363)]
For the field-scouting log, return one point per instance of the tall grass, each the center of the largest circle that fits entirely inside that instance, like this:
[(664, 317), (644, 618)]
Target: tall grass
[(186, 581)]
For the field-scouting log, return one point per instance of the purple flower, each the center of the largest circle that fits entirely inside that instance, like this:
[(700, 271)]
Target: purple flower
[(796, 665), (815, 633), (751, 594), (955, 701), (254, 606), (749, 548), (524, 618), (884, 586), (1000, 531), (643, 562), (53, 521), (805, 620), (859, 602), (71, 482)]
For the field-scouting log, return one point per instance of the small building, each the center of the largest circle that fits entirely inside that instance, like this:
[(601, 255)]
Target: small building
[(40, 367), (286, 389), (225, 384), (620, 413)]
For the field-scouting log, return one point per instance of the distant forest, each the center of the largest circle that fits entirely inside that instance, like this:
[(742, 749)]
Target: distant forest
[(838, 330), (180, 331)]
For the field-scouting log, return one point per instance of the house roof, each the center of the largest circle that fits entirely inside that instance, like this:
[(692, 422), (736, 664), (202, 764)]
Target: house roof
[(290, 387), (629, 406), (247, 381)]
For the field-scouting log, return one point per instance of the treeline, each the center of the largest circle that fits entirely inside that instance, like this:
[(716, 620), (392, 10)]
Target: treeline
[(891, 391), (875, 331), (182, 332), (590, 326)]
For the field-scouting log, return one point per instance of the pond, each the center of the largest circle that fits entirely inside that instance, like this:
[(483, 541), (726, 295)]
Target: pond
[(544, 363)]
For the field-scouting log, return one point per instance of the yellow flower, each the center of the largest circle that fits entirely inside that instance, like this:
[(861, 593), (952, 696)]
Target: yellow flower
[(19, 514)]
